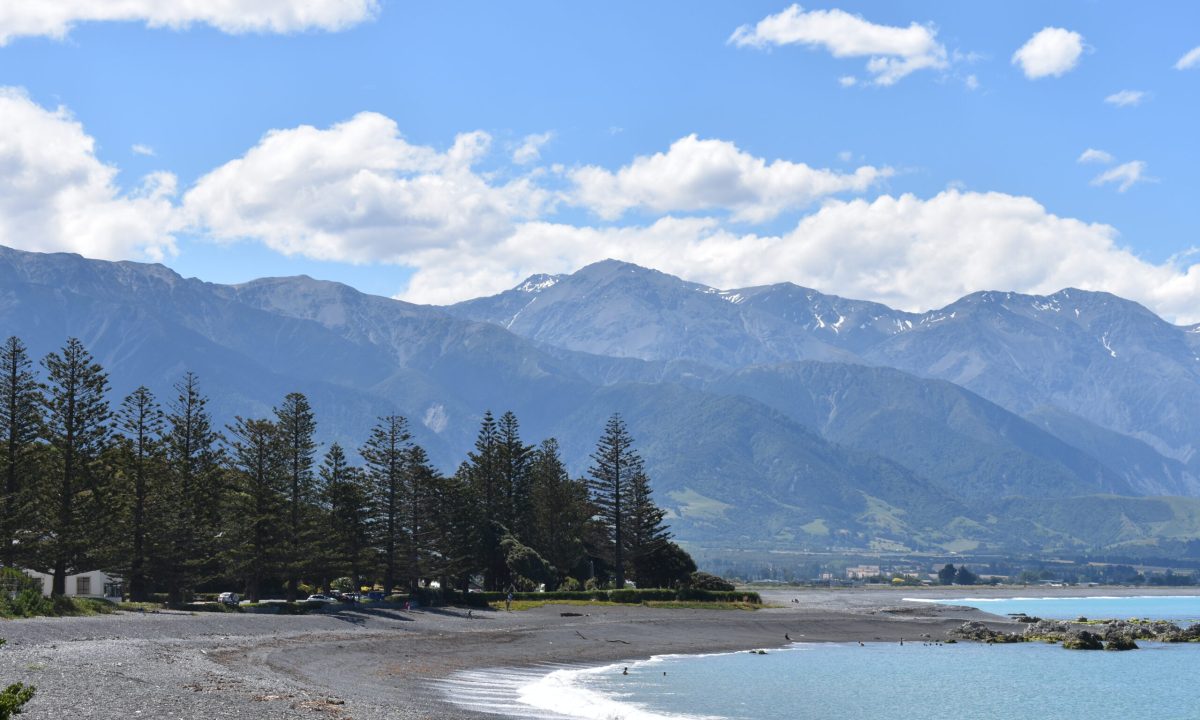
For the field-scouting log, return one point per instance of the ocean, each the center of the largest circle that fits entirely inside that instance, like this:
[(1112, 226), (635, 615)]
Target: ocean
[(835, 681), (1179, 609)]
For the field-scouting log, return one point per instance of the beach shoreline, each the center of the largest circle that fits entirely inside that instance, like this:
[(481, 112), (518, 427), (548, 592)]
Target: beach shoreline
[(374, 663)]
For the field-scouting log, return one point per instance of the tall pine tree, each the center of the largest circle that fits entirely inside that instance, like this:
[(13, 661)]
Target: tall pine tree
[(348, 499), (297, 424), (419, 495), (614, 466), (194, 493), (259, 502), (20, 423), (384, 454), (141, 463), (560, 509), (646, 535), (484, 474), (77, 428), (514, 457)]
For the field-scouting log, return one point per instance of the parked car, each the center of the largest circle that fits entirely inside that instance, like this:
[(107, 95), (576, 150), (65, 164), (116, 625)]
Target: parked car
[(228, 598), (375, 595), (320, 599)]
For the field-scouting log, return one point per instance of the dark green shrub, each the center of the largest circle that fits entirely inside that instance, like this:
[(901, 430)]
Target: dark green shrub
[(707, 581), (13, 698), (426, 597), (27, 603)]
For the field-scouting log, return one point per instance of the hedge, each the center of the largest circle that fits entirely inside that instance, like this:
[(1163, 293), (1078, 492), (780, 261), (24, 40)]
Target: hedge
[(626, 596)]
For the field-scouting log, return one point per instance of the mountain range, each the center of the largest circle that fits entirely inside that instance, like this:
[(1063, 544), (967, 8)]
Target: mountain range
[(773, 417)]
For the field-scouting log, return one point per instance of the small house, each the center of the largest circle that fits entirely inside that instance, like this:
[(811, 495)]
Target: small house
[(93, 584)]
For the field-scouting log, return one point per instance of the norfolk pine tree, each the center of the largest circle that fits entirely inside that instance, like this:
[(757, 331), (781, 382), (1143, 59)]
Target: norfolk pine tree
[(514, 458), (259, 501), (20, 423), (614, 466), (484, 475), (561, 510), (141, 463), (646, 536), (77, 429), (194, 493), (418, 494), (297, 424), (384, 454), (348, 499)]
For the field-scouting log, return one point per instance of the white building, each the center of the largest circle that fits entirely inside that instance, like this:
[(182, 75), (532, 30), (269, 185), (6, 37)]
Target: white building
[(93, 584)]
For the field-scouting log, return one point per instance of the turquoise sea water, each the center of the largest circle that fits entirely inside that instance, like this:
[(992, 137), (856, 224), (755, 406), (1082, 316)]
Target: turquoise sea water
[(1180, 609), (849, 682), (837, 681), (842, 681)]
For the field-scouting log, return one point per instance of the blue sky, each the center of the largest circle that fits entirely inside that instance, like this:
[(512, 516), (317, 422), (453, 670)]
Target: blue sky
[(968, 167)]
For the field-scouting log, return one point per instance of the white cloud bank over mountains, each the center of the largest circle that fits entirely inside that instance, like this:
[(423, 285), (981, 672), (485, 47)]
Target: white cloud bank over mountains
[(359, 192), (710, 175), (55, 18), (893, 52), (55, 194)]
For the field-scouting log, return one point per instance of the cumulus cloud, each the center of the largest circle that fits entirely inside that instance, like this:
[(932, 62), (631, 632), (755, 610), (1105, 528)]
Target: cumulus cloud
[(699, 174), (1126, 98), (906, 251), (1124, 176), (1092, 155), (893, 52), (530, 149), (1190, 60), (56, 195), (1050, 52), (55, 18), (357, 192), (139, 149)]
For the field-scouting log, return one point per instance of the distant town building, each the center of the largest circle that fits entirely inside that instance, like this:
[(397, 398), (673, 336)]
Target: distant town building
[(862, 572)]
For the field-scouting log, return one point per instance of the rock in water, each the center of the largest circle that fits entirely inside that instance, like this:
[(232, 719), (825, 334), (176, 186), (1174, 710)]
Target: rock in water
[(1083, 640)]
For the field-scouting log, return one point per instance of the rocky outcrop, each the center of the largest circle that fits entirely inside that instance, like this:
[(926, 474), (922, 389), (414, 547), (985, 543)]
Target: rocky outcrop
[(1120, 644), (979, 632), (1083, 640), (1191, 634)]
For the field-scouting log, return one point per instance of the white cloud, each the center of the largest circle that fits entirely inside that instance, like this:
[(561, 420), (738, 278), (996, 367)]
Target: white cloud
[(894, 52), (1092, 155), (696, 174), (1126, 98), (847, 81), (1125, 175), (971, 82), (139, 149), (906, 251), (54, 18), (357, 192), (530, 149), (1051, 51), (1190, 60), (56, 195)]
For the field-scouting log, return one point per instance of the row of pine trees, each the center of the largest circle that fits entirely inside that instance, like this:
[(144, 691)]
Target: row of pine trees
[(161, 498)]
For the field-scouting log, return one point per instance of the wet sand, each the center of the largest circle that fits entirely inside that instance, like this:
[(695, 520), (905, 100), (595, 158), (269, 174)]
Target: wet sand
[(369, 664)]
